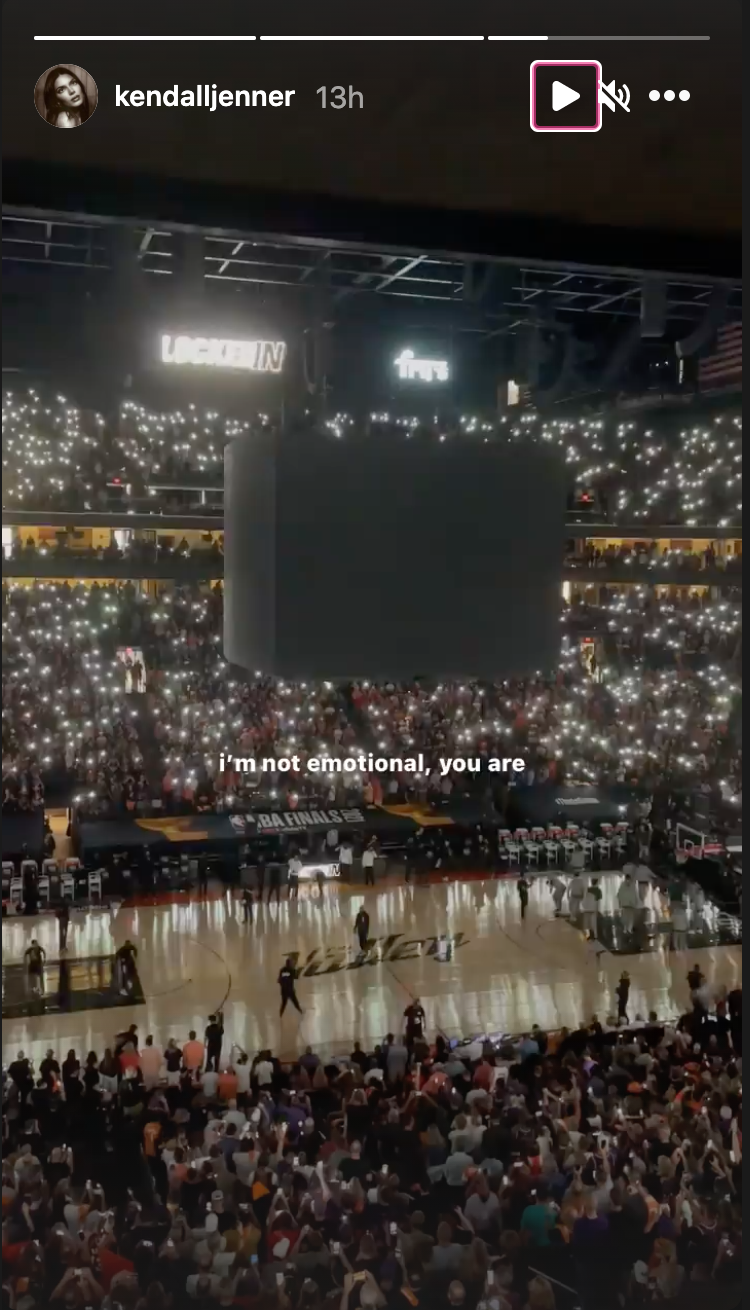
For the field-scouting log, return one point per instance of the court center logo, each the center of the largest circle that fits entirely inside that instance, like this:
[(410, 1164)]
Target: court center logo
[(66, 95), (380, 950)]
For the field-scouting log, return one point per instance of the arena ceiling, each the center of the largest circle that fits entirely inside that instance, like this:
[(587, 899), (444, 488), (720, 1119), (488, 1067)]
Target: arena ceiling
[(502, 289)]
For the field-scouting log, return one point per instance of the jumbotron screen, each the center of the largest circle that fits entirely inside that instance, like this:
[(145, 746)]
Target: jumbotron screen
[(392, 558)]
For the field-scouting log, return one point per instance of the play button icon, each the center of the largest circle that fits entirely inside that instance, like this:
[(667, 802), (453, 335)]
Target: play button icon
[(562, 96), (565, 95)]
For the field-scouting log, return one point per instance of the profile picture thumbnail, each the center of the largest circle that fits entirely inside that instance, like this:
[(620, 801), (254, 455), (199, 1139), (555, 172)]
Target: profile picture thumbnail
[(66, 95)]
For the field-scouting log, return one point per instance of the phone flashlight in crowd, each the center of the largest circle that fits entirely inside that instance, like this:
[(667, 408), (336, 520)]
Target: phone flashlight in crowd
[(384, 1171), (394, 1229), (335, 1248), (295, 1161)]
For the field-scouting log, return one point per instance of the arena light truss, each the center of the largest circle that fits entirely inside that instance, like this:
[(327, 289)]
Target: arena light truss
[(56, 242)]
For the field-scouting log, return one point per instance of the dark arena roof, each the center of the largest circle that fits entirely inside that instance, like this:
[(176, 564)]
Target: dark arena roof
[(433, 219), (56, 240), (561, 328)]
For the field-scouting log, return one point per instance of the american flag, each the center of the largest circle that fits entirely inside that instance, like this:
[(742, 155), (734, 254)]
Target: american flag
[(724, 364)]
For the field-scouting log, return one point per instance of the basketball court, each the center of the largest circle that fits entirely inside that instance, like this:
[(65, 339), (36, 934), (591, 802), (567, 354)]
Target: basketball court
[(459, 945)]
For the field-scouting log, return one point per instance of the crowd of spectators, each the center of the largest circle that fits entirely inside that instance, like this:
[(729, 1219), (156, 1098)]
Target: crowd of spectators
[(65, 712), (655, 701), (598, 1168), (652, 556), (211, 547), (652, 695), (136, 551), (57, 456)]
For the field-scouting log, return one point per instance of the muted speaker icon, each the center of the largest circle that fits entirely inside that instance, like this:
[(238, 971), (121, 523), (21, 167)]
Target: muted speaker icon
[(612, 98)]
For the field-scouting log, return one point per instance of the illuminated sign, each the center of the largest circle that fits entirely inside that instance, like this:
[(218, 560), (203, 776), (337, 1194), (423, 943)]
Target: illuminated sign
[(423, 370), (218, 352), (308, 871)]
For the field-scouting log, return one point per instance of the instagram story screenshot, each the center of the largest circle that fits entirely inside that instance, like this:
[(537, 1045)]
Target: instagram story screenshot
[(372, 585)]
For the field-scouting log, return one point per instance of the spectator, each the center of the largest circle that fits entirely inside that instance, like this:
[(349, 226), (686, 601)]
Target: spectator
[(538, 1218), (192, 1053), (653, 1197), (151, 1061)]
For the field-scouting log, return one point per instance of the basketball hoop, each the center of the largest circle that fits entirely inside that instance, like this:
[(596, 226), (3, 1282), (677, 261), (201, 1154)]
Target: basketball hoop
[(686, 845)]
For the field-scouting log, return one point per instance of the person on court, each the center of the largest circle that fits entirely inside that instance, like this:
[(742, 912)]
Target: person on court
[(125, 960), (628, 901), (214, 1038), (260, 876), (591, 899), (368, 863), (643, 878), (202, 877), (622, 992), (287, 979), (293, 872), (416, 1020), (523, 895), (410, 857), (362, 928), (247, 904), (274, 881), (35, 957), (679, 926), (695, 979), (63, 923), (558, 894), (576, 892), (346, 860)]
